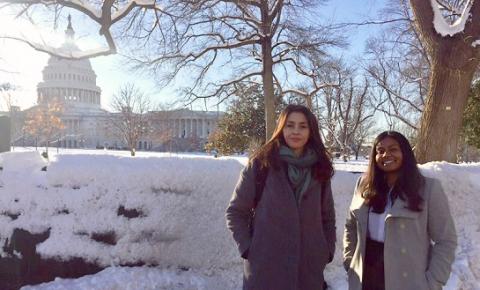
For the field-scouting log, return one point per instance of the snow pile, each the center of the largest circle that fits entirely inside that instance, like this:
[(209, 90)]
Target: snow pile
[(24, 162), (20, 165), (180, 201), (462, 185), (181, 228), (114, 278)]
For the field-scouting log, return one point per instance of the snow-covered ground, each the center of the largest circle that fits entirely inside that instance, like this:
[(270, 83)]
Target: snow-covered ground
[(182, 228)]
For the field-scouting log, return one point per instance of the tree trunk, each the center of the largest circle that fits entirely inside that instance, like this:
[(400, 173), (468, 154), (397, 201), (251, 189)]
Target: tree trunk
[(267, 74), (308, 102), (454, 60), (443, 114), (268, 91)]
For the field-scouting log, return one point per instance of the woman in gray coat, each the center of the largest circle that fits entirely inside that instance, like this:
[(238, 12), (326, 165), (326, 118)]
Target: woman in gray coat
[(399, 233), (281, 213)]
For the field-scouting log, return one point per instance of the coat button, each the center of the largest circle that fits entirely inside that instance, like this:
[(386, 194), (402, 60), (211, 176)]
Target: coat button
[(405, 274), (402, 226), (403, 250)]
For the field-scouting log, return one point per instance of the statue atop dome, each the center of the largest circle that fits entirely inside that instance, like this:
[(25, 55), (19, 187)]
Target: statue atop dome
[(69, 32)]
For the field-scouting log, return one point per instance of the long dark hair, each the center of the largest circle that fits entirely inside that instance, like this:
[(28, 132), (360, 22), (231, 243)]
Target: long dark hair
[(374, 185), (268, 154)]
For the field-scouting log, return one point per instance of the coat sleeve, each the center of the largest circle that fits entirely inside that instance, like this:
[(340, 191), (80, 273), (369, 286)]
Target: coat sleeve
[(239, 211), (328, 218), (441, 230), (350, 234)]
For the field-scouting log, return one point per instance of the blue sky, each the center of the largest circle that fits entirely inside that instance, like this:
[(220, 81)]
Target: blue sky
[(111, 74), (355, 11)]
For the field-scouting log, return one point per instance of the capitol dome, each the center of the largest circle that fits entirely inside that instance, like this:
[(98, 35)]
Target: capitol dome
[(71, 81), (87, 125)]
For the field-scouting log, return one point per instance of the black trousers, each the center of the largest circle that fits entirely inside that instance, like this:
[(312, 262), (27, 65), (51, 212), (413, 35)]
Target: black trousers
[(373, 270)]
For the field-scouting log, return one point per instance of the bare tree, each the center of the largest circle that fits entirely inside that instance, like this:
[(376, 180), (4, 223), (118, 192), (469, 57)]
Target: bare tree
[(425, 78), (130, 120), (449, 30), (363, 131), (345, 108), (262, 41), (399, 71), (353, 110), (105, 14), (43, 122), (163, 127), (328, 115)]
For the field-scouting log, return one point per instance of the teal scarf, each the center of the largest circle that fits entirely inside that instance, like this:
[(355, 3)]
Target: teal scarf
[(299, 169)]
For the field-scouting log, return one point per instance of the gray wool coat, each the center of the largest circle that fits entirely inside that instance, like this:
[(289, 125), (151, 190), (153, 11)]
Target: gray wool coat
[(419, 247), (289, 245)]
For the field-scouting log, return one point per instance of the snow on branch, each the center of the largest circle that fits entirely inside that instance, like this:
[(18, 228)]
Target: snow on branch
[(60, 52), (442, 27), (105, 15), (80, 5)]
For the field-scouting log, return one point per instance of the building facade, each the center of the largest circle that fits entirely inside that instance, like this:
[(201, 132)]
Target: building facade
[(86, 125)]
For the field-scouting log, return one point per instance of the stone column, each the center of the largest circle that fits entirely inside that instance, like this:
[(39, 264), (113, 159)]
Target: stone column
[(199, 128), (192, 126), (177, 128), (183, 131), (195, 127)]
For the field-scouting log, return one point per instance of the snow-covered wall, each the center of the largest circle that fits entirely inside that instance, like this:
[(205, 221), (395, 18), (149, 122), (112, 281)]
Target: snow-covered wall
[(182, 202)]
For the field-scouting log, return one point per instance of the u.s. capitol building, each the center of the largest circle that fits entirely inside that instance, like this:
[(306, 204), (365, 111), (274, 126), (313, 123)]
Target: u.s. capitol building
[(87, 125)]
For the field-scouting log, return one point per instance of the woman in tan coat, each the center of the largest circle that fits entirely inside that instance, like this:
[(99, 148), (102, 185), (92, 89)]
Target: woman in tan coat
[(399, 233), (281, 213)]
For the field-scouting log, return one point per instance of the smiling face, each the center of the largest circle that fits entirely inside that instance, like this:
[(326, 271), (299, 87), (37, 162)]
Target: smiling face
[(388, 156), (296, 132)]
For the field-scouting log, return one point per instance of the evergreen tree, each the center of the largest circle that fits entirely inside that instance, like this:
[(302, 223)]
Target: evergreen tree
[(242, 128), (471, 117)]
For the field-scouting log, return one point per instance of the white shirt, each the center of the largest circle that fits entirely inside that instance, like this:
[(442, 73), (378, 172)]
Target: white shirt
[(376, 221)]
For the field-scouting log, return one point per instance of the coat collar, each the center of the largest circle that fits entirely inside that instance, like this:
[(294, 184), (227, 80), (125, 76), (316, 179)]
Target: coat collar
[(399, 209)]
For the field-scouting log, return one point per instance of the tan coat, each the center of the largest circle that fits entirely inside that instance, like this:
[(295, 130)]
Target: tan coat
[(290, 245), (412, 261)]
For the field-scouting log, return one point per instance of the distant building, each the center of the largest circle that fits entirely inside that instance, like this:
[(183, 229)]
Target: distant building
[(73, 82)]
